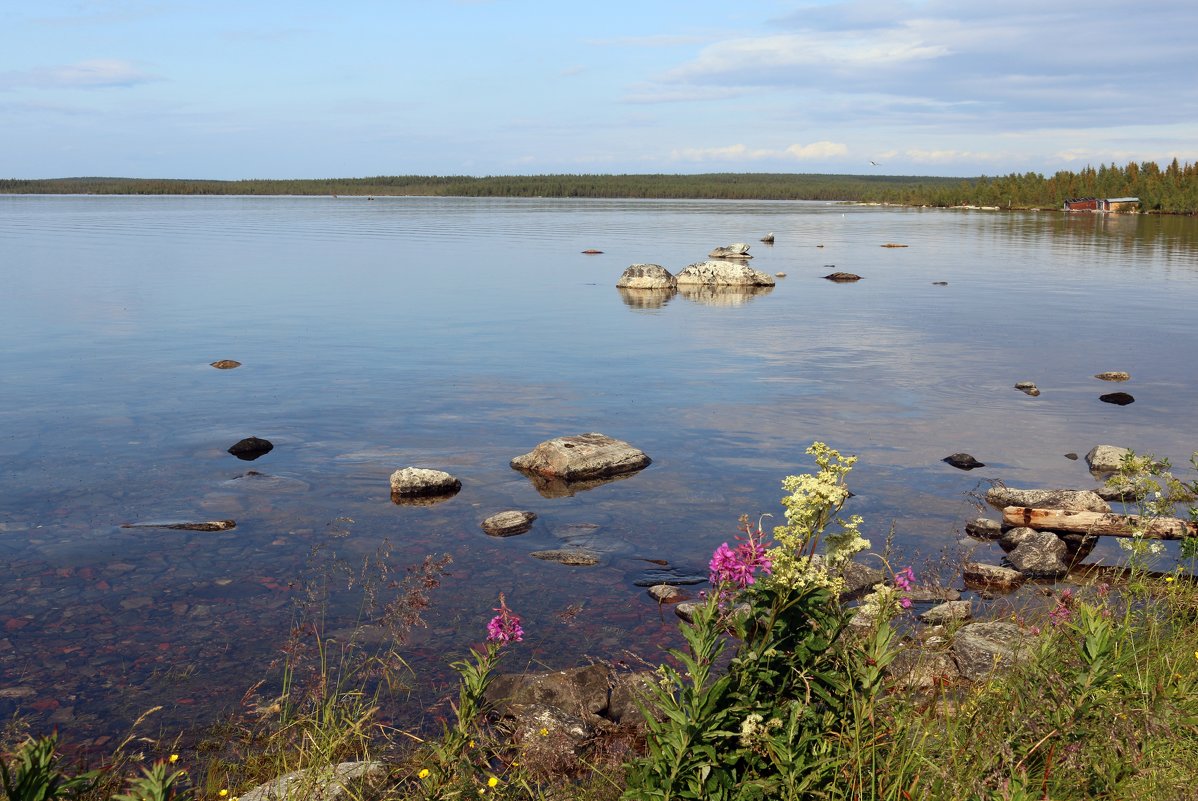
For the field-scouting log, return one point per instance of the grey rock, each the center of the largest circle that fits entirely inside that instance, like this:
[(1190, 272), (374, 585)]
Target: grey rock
[(509, 523), (1083, 500), (574, 557), (626, 692), (920, 669), (582, 692), (1040, 555), (858, 577), (1013, 538), (1078, 546), (768, 238), (948, 612), (779, 275), (421, 481), (922, 593), (737, 250), (842, 278), (582, 457), (646, 276), (992, 577), (667, 594), (984, 529), (1112, 375), (962, 461), (1117, 398), (1106, 459), (326, 783), (1028, 388), (722, 273), (1071, 456), (980, 648), (1120, 491)]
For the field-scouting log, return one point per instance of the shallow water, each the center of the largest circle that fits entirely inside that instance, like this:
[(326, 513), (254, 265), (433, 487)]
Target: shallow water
[(459, 333)]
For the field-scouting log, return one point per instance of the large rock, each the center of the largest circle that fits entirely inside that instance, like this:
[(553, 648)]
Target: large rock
[(722, 273), (583, 692), (1106, 459), (327, 783), (991, 577), (646, 276), (919, 669), (947, 612), (582, 457), (737, 250), (1042, 554), (1083, 500), (420, 482), (981, 648)]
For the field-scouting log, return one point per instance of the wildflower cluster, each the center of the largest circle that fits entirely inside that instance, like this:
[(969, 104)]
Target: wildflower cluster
[(1063, 612), (731, 569), (504, 627), (886, 601)]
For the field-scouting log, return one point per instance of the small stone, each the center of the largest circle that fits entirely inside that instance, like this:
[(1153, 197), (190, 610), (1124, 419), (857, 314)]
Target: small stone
[(416, 482), (1106, 459), (573, 557), (225, 364), (1071, 456), (251, 448), (948, 612), (1028, 388), (768, 238), (779, 275), (984, 528), (507, 524), (592, 252), (995, 577), (1117, 398), (1113, 375), (842, 278), (894, 245), (940, 283), (962, 461), (667, 594)]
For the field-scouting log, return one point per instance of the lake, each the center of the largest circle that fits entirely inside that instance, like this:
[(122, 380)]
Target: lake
[(459, 333)]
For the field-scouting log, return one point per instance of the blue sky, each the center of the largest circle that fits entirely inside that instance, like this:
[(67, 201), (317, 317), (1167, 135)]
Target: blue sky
[(246, 89)]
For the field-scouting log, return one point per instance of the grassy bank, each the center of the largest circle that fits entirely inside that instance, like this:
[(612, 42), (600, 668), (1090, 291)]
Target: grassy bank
[(781, 692)]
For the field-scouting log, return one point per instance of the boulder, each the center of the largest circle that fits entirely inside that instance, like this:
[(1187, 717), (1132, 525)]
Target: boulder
[(991, 577), (920, 669), (962, 461), (980, 648), (251, 448), (1106, 459), (722, 273), (1112, 375), (646, 276), (583, 692), (1082, 500), (417, 482), (327, 783), (507, 524), (582, 457), (1117, 398), (737, 250), (1013, 538), (1040, 554), (947, 612)]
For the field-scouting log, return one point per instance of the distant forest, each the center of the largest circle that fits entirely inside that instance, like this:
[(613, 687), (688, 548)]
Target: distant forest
[(1169, 190)]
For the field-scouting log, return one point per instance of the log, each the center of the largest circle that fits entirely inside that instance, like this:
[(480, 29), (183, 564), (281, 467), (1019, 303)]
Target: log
[(1097, 523)]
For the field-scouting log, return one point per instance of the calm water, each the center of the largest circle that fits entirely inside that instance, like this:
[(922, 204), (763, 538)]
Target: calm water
[(457, 334)]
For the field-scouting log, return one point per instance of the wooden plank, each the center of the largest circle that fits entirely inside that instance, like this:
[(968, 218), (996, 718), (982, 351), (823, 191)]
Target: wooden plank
[(1097, 523)]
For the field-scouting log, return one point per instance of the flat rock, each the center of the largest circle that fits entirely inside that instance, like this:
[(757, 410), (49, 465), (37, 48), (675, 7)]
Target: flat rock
[(962, 461), (737, 250), (994, 577), (646, 276), (208, 525), (1042, 554), (251, 448), (582, 692), (920, 669), (1083, 500), (327, 783), (981, 648), (509, 523), (1113, 375), (1106, 459), (922, 593), (984, 528), (667, 594), (225, 364), (574, 557), (582, 457), (722, 273), (947, 612), (842, 278), (1117, 398), (414, 482)]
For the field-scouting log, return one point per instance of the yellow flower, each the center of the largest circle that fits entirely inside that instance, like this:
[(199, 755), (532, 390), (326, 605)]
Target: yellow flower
[(491, 782), (1170, 579), (471, 743), (423, 774), (223, 793), (173, 758), (544, 732)]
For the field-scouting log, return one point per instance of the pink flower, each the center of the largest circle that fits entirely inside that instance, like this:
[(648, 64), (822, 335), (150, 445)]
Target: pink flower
[(904, 578), (734, 567), (504, 627)]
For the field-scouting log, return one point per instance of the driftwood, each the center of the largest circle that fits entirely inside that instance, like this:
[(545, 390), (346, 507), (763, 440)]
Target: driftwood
[(214, 525), (1096, 523)]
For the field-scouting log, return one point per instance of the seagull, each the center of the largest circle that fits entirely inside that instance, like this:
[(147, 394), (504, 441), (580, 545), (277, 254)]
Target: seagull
[(876, 164)]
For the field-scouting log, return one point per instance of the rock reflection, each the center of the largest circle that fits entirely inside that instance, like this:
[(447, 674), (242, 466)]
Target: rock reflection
[(560, 488), (420, 500), (646, 298), (723, 295)]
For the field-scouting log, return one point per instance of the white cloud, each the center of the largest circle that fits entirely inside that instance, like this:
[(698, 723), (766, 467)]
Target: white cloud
[(947, 156), (93, 74), (740, 152)]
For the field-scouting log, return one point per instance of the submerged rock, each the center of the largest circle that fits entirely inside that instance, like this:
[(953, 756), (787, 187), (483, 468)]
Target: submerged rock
[(417, 482), (573, 557), (667, 594), (582, 457), (646, 276), (962, 461), (722, 273), (251, 448), (646, 298)]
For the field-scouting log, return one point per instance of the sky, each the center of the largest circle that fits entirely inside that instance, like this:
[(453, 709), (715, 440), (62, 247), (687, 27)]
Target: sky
[(232, 89)]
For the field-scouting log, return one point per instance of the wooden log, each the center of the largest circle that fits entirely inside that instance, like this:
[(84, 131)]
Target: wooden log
[(1096, 523)]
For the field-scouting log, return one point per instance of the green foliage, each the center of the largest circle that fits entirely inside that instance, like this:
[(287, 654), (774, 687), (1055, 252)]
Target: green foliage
[(33, 774), (157, 783)]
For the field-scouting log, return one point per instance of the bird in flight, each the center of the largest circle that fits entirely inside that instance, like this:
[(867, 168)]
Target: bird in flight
[(876, 164)]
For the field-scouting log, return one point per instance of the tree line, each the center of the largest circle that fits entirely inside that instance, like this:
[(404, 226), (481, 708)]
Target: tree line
[(1169, 190)]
